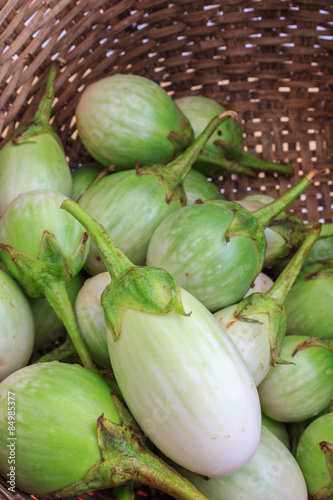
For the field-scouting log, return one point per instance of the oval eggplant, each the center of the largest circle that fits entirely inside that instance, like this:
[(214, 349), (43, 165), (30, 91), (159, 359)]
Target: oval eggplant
[(298, 391), (122, 119), (17, 327)]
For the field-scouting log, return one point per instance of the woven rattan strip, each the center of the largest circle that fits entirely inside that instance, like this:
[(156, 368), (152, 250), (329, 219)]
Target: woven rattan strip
[(269, 61)]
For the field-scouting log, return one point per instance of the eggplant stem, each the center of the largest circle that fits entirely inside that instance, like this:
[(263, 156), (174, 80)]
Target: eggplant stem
[(232, 167), (326, 229), (57, 296), (115, 260), (66, 352), (267, 213), (43, 113), (285, 281), (183, 163)]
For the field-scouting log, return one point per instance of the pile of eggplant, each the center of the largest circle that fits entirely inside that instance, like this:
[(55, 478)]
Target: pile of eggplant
[(154, 334)]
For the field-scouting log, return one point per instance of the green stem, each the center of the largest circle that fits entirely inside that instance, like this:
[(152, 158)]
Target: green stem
[(267, 213), (115, 260), (43, 113), (66, 352), (125, 491), (249, 160), (57, 296), (326, 343), (232, 167), (285, 281), (183, 163), (326, 229)]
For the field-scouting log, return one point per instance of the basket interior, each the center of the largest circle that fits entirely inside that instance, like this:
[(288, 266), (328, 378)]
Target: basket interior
[(271, 61)]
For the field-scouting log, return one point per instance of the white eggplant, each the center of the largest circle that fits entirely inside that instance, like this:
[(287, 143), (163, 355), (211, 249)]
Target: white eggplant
[(258, 323), (272, 474), (90, 318), (183, 379)]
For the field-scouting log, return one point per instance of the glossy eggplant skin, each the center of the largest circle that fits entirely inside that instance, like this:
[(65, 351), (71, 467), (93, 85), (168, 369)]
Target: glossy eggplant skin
[(298, 391), (314, 456), (191, 245), (309, 302), (132, 206), (61, 402), (38, 162), (122, 119)]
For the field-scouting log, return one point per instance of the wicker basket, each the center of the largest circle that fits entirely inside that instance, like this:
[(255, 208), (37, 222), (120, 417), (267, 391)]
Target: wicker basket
[(271, 61)]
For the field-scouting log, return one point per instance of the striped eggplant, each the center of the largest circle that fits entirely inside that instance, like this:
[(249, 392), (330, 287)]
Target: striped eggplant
[(34, 158), (90, 318), (315, 457), (309, 302), (17, 329), (225, 150), (86, 438), (183, 379), (300, 390), (272, 474), (123, 119), (43, 248), (131, 204), (258, 323), (216, 249)]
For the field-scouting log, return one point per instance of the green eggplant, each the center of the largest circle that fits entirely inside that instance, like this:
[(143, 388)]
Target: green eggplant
[(215, 249), (87, 440), (34, 158), (315, 457), (131, 204), (123, 119), (257, 324), (309, 302), (225, 150)]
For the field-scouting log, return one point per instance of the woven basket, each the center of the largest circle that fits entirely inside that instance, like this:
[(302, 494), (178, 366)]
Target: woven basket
[(271, 61)]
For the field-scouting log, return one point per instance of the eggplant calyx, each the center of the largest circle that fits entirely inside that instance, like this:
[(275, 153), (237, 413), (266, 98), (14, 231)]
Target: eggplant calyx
[(126, 457), (326, 343), (48, 275), (146, 289), (174, 173), (259, 304), (182, 138), (35, 273)]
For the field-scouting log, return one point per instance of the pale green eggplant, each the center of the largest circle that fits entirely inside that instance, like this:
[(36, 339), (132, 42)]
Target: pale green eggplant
[(90, 318), (131, 204), (43, 248), (284, 234), (272, 474), (226, 145), (34, 158), (123, 119), (279, 429), (182, 377), (309, 302), (17, 329), (257, 324), (84, 175), (300, 390), (86, 438), (216, 249), (315, 457)]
